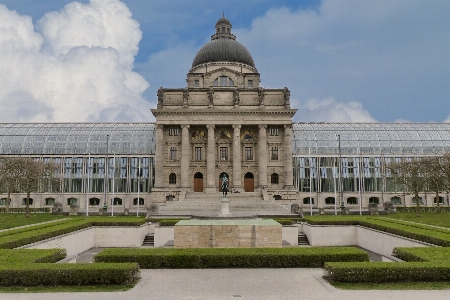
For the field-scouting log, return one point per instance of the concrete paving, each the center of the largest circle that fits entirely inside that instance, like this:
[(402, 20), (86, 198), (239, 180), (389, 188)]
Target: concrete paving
[(217, 284)]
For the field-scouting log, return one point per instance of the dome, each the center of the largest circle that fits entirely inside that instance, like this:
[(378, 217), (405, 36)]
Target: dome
[(223, 49)]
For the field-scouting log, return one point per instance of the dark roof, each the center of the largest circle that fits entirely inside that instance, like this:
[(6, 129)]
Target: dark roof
[(223, 49)]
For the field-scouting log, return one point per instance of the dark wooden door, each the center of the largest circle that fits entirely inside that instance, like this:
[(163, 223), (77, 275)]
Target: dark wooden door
[(198, 184), (249, 185)]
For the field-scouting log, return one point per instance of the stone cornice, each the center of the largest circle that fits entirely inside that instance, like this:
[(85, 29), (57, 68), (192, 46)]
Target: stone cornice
[(222, 111)]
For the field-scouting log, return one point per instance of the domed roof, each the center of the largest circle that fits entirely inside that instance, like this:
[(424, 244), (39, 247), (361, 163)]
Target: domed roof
[(223, 49)]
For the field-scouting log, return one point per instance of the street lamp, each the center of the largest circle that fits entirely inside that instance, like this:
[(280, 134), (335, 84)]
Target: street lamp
[(341, 186), (106, 165)]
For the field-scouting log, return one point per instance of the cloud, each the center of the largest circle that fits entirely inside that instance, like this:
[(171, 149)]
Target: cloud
[(329, 110), (77, 65)]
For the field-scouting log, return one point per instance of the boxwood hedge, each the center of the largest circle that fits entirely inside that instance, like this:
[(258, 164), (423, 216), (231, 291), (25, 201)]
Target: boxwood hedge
[(387, 272), (423, 254), (198, 258)]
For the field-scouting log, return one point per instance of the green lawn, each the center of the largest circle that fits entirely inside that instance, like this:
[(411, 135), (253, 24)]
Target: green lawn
[(8, 221), (394, 286), (441, 219)]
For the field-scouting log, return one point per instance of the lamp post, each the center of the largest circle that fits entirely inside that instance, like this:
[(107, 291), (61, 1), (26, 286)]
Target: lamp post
[(139, 186), (106, 185), (341, 186)]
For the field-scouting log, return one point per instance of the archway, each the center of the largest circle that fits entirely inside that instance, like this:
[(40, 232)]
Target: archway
[(249, 182), (198, 182), (220, 180)]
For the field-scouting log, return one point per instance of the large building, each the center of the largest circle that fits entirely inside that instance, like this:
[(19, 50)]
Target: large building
[(223, 123)]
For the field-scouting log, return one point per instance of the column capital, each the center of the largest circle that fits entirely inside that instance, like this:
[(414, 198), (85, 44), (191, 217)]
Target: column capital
[(185, 126), (210, 126), (288, 126), (159, 126), (262, 126), (237, 126)]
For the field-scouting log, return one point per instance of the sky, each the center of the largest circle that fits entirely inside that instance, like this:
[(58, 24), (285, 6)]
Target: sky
[(343, 60)]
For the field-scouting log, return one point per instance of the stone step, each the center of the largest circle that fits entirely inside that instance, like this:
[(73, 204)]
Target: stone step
[(303, 240), (149, 240)]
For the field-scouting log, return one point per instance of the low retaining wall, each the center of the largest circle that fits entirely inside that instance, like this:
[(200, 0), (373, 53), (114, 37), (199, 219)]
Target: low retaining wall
[(101, 236), (373, 240)]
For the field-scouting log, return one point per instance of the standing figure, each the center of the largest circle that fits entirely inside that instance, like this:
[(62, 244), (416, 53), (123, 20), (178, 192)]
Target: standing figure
[(224, 185)]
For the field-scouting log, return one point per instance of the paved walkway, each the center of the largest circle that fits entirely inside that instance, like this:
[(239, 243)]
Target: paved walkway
[(215, 284)]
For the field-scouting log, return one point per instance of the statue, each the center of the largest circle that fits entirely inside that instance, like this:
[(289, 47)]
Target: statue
[(211, 95), (236, 97), (287, 97), (224, 185), (185, 97), (261, 95)]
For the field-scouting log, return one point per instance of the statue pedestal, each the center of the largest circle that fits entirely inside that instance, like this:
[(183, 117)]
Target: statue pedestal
[(225, 207)]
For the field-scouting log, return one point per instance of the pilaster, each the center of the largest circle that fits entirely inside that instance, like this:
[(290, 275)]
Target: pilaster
[(185, 156), (210, 161), (159, 155), (262, 155), (237, 158), (288, 174)]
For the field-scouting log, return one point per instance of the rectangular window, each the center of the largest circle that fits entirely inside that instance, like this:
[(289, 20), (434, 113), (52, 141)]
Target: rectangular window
[(273, 131), (198, 153), (173, 131), (197, 83), (173, 153), (250, 83), (223, 153), (274, 153), (248, 153)]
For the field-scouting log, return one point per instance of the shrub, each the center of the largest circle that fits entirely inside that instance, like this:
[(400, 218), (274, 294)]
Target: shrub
[(356, 272), (158, 258), (423, 254)]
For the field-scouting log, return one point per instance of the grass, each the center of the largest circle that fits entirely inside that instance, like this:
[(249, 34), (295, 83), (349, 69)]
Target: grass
[(393, 286), (441, 219), (8, 221), (64, 289)]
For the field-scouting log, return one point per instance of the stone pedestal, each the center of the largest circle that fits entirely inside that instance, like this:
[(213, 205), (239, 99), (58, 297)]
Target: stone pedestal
[(227, 234), (225, 210)]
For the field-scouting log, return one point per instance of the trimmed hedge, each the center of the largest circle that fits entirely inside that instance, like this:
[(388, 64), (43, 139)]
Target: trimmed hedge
[(166, 222), (69, 274), (22, 210), (26, 256), (423, 254), (24, 236), (387, 272), (199, 258), (423, 209), (431, 235)]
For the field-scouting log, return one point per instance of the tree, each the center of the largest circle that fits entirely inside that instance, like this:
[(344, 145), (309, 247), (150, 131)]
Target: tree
[(435, 176), (9, 177), (29, 175), (412, 174), (445, 168)]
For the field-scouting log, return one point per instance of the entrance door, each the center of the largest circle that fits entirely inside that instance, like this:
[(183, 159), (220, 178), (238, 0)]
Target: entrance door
[(220, 180), (198, 182), (249, 182)]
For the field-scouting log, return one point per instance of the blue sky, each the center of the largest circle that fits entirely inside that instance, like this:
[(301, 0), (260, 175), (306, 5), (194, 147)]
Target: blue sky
[(343, 60)]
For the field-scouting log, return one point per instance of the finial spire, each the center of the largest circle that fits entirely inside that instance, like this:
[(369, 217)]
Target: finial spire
[(223, 14)]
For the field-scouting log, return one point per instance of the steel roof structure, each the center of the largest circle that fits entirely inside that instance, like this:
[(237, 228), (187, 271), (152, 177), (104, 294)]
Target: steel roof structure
[(76, 138)]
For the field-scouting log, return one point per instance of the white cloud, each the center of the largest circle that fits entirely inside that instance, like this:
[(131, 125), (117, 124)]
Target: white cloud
[(448, 119), (77, 66), (329, 110)]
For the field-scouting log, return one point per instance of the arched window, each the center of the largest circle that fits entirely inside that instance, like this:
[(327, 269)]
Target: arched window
[(141, 201), (352, 200), (24, 201), (172, 178), (94, 201), (330, 200), (441, 200), (274, 178), (396, 200), (223, 81), (72, 201), (307, 200), (374, 200), (117, 201), (414, 201), (49, 201)]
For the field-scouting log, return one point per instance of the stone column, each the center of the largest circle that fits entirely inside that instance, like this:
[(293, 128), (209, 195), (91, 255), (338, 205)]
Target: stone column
[(237, 158), (159, 156), (210, 161), (288, 175), (262, 155), (185, 156)]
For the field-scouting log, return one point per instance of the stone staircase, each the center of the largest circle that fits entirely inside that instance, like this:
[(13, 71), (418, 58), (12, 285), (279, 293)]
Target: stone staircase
[(149, 240), (302, 239), (209, 204)]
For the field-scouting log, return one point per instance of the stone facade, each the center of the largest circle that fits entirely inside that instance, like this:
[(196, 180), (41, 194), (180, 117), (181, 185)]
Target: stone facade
[(223, 122)]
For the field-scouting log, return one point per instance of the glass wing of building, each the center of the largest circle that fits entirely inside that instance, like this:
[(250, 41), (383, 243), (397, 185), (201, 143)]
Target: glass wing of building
[(77, 138)]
